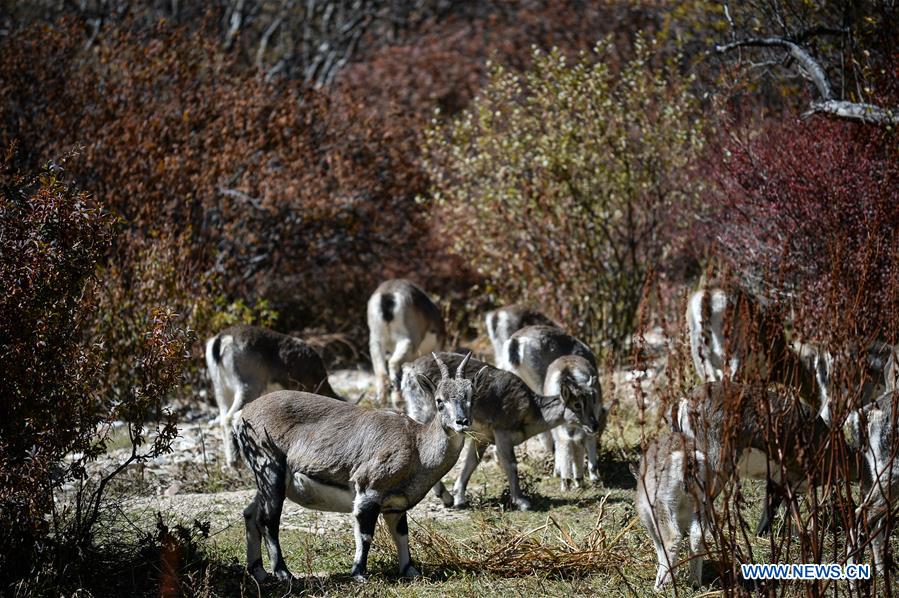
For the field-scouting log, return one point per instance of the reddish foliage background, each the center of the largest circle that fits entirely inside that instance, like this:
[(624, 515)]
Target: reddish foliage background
[(228, 184), (812, 209), (305, 198), (52, 237), (293, 195), (445, 63), (55, 399)]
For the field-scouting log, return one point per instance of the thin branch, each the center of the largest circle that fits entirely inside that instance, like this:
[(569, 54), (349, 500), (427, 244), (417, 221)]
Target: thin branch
[(809, 64), (827, 104), (95, 25), (236, 22), (235, 194), (868, 113), (733, 28), (97, 496), (765, 64), (263, 41), (775, 7)]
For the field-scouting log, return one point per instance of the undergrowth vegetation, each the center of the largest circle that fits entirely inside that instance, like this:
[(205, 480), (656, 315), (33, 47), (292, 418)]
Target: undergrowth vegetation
[(57, 414), (173, 168), (566, 184)]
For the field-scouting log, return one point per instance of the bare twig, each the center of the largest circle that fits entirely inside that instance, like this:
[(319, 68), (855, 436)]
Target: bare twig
[(266, 36), (827, 104), (730, 21), (236, 22), (235, 194)]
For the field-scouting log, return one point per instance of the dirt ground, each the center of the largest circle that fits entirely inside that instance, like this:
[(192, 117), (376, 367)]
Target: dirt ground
[(189, 484), (190, 481)]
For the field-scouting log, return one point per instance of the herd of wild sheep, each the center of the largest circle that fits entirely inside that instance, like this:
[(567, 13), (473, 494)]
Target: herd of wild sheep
[(310, 445)]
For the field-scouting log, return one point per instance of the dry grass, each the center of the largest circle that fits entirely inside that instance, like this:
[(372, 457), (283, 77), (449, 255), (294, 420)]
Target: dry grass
[(550, 549)]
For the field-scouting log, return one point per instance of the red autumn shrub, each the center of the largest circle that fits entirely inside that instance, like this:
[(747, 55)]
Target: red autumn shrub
[(810, 210), (300, 197), (445, 62), (53, 238), (285, 193)]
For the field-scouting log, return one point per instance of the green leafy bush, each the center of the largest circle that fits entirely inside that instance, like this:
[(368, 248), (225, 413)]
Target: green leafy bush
[(563, 184)]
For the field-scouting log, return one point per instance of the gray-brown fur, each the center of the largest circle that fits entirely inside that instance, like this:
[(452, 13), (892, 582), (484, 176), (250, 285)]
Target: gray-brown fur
[(891, 369), (873, 428), (503, 322), (879, 370), (812, 376), (505, 412), (403, 324), (334, 456), (671, 485), (725, 425), (531, 350), (571, 442), (246, 361), (849, 373), (736, 424), (733, 336)]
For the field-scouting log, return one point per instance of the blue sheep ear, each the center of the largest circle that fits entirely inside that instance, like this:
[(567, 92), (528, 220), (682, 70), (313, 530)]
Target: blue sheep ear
[(426, 384), (480, 377), (565, 390)]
